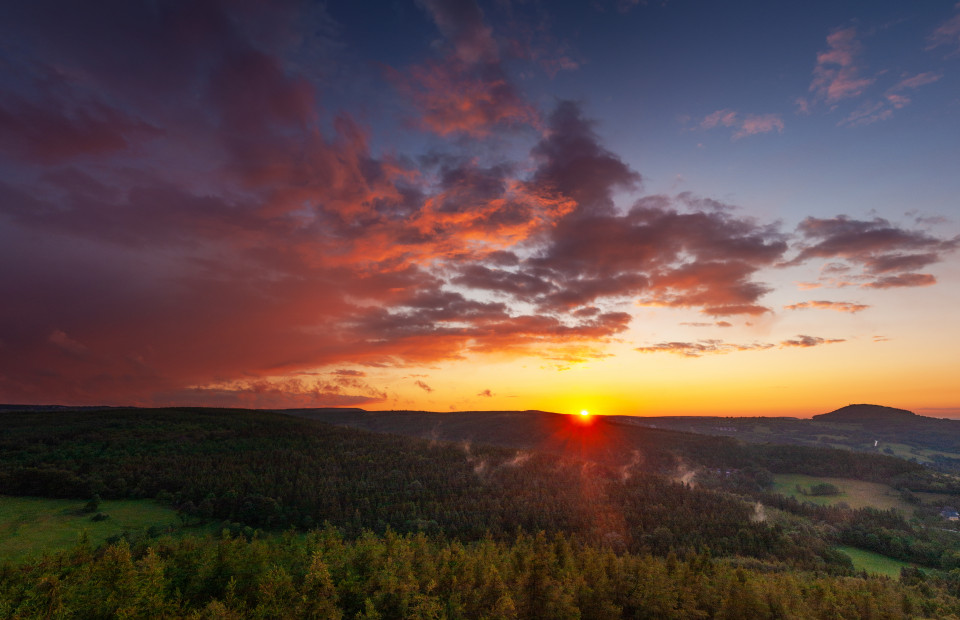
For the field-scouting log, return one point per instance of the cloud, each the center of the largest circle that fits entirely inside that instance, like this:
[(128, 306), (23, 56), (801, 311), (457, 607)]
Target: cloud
[(423, 386), (702, 347), (574, 165), (916, 81), (51, 131), (344, 372), (467, 91), (726, 118), (867, 114), (894, 99), (837, 73), (66, 343), (809, 341), (278, 393), (486, 393), (880, 249), (839, 306), (946, 34), (902, 280), (751, 124), (191, 214)]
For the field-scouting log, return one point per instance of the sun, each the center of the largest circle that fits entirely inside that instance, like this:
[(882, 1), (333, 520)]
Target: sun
[(584, 412)]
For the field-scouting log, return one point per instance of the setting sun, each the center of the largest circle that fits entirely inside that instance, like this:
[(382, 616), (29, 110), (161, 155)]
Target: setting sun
[(584, 412)]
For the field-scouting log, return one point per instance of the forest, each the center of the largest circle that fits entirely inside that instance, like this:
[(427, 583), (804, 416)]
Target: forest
[(286, 516)]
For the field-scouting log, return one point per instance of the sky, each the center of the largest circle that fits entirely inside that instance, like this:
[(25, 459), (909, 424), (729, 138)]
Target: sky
[(643, 208)]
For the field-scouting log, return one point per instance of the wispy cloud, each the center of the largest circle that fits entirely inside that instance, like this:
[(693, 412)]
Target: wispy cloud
[(702, 347), (837, 74), (753, 125), (809, 341), (839, 306), (946, 34), (895, 98), (748, 125)]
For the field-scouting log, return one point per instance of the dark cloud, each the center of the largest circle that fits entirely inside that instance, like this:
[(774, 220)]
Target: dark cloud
[(345, 372), (902, 280), (49, 132), (719, 347), (809, 341), (876, 246), (423, 386), (702, 347), (575, 165)]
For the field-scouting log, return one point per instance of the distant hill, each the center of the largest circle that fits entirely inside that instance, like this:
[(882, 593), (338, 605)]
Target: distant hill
[(867, 413)]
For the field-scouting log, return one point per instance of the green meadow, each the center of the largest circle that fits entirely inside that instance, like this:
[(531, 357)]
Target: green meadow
[(873, 563), (855, 493), (30, 526)]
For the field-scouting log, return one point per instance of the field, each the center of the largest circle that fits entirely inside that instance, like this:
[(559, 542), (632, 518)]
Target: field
[(30, 526), (874, 563), (855, 493)]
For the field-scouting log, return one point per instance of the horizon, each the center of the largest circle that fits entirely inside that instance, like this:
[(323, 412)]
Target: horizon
[(592, 414), (455, 205)]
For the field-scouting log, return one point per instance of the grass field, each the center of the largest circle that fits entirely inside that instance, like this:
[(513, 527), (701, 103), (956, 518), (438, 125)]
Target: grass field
[(30, 526), (873, 563), (855, 493)]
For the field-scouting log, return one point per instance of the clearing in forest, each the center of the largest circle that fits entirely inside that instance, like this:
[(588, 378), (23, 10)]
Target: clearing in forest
[(855, 493), (30, 526)]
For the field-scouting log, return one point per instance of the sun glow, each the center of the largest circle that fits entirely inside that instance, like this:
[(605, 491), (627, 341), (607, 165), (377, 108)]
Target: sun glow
[(584, 412)]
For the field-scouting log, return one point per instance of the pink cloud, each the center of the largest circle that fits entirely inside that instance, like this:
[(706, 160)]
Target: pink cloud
[(918, 80), (946, 34), (837, 73), (753, 125), (726, 118), (749, 125)]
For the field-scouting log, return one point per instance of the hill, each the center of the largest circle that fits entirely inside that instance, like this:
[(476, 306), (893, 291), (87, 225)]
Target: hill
[(866, 414)]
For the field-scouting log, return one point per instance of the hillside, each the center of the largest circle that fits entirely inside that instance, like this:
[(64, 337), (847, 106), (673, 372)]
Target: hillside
[(616, 441), (871, 429), (877, 414), (318, 520)]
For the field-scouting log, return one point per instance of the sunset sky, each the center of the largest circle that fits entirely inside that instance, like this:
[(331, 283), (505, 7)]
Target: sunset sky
[(647, 208)]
